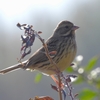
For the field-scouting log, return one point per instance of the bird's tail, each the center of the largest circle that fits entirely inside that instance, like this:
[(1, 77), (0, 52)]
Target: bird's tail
[(12, 68)]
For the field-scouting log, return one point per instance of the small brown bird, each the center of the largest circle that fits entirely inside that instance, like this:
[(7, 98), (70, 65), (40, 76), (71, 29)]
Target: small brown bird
[(62, 41)]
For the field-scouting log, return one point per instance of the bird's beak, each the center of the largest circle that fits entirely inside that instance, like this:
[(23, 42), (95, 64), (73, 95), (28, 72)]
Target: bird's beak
[(75, 28)]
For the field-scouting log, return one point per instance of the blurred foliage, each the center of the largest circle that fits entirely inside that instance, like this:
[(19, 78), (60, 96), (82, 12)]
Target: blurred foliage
[(88, 74), (91, 64), (87, 94), (38, 77)]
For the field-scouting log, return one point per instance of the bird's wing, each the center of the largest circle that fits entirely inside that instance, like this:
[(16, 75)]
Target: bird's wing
[(39, 56)]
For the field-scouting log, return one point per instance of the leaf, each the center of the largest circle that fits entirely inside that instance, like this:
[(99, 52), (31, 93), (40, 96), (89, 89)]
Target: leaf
[(76, 95), (91, 64), (38, 78), (97, 81), (69, 69), (41, 98), (39, 32), (87, 94), (78, 80), (54, 87)]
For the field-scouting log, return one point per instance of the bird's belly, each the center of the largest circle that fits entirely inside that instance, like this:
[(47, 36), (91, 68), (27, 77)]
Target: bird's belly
[(62, 64), (65, 62)]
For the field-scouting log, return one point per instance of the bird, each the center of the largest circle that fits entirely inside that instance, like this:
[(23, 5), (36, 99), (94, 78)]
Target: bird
[(62, 41)]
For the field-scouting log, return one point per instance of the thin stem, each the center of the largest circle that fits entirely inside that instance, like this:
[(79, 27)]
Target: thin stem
[(47, 52), (60, 94), (45, 47), (69, 88), (52, 62)]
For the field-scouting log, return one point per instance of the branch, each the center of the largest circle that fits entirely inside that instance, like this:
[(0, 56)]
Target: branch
[(52, 62)]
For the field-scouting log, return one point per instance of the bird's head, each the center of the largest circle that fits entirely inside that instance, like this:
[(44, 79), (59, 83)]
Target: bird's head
[(65, 28)]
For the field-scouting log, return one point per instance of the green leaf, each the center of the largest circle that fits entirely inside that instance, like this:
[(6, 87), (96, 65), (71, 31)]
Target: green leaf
[(98, 85), (97, 81), (87, 94), (91, 64), (78, 80), (38, 78), (69, 69)]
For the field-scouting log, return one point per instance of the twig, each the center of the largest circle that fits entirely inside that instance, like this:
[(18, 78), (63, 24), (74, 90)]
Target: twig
[(60, 94), (52, 62), (69, 88), (47, 52), (45, 47)]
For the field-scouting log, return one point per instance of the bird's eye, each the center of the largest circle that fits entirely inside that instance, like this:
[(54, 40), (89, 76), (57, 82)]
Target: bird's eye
[(67, 27)]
